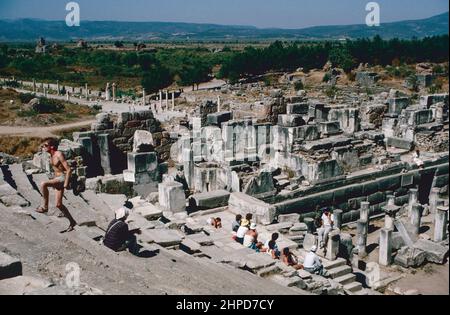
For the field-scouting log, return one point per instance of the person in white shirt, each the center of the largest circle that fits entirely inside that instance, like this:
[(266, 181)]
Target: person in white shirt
[(251, 237), (312, 263), (243, 229), (325, 229)]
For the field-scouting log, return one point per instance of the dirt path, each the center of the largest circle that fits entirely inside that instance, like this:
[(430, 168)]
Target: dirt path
[(41, 132)]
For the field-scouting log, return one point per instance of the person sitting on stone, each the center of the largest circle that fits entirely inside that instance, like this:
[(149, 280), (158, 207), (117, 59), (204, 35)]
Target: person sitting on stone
[(236, 224), (251, 238), (118, 237), (272, 247), (243, 229), (327, 225), (312, 263), (215, 222), (417, 160), (248, 220), (290, 260)]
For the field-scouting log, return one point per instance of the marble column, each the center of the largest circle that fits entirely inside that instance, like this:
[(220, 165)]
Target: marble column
[(385, 251), (338, 218), (416, 214), (362, 238), (440, 224), (413, 198)]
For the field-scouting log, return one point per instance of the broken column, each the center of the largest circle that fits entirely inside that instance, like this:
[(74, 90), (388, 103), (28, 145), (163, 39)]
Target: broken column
[(218, 104), (108, 92), (167, 101), (57, 87), (173, 101), (144, 102), (188, 166), (362, 238), (105, 157), (413, 197), (385, 254), (416, 213), (114, 92), (160, 101), (86, 91), (172, 197), (337, 218), (440, 224)]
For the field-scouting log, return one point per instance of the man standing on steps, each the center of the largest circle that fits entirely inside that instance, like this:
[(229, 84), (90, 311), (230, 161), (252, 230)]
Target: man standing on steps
[(60, 182)]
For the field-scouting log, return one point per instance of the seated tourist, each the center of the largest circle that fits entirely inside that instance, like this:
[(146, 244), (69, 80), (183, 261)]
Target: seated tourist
[(312, 263), (251, 238), (118, 237), (272, 247), (289, 259), (243, 229), (236, 224), (215, 222), (327, 226)]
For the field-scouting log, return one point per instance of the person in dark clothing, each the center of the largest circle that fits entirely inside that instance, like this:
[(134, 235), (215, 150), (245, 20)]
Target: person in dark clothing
[(118, 237)]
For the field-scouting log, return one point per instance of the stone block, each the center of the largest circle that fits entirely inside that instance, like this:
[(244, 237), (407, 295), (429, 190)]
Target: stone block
[(241, 203), (172, 197), (292, 218), (211, 200), (142, 162)]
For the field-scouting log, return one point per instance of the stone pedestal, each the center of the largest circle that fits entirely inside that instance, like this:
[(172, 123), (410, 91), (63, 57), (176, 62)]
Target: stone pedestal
[(310, 224), (338, 218), (416, 214), (172, 197), (385, 256), (390, 200), (440, 224)]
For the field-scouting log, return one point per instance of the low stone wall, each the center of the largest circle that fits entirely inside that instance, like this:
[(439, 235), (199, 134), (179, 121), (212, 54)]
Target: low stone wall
[(348, 193)]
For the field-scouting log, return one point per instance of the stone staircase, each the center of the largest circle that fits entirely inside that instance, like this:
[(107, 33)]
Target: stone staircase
[(43, 251)]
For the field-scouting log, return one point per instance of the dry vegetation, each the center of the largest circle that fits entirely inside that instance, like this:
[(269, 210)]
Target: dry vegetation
[(11, 107), (19, 146)]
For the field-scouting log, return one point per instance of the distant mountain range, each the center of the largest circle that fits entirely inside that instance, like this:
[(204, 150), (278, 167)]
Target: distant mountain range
[(30, 30)]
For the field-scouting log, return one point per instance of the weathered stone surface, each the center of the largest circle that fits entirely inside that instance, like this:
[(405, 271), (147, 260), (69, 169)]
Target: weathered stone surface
[(410, 257), (241, 203), (292, 218), (435, 253), (9, 267), (211, 200), (164, 237), (142, 141), (149, 211), (172, 197), (309, 241), (7, 190), (280, 227), (14, 200)]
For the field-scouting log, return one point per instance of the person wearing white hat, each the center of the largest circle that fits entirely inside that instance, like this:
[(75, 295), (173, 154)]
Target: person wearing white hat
[(118, 237), (251, 237), (312, 263)]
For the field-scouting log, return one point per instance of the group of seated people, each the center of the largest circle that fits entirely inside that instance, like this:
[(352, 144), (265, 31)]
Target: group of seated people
[(118, 237), (244, 232)]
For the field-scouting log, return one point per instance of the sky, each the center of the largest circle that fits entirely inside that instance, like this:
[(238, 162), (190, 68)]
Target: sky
[(260, 13)]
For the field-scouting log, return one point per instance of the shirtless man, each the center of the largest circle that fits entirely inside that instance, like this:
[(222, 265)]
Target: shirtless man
[(59, 182)]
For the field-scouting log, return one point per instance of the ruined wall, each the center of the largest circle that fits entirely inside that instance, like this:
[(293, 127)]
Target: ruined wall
[(348, 193), (111, 138)]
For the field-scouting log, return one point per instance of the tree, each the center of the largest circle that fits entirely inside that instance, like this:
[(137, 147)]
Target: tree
[(157, 78), (118, 44), (341, 57)]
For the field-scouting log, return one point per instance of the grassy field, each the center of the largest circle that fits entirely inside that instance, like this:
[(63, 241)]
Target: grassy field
[(20, 146)]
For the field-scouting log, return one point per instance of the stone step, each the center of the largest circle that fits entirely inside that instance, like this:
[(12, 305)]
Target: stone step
[(97, 204), (114, 202), (269, 271), (24, 185), (339, 271), (346, 279), (353, 287), (331, 264), (22, 285)]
